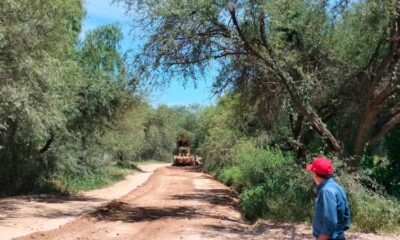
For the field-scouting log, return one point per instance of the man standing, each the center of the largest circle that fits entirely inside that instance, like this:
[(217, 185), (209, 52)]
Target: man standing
[(331, 213)]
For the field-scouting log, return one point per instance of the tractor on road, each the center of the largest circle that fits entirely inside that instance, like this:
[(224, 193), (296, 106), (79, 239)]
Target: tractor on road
[(183, 156)]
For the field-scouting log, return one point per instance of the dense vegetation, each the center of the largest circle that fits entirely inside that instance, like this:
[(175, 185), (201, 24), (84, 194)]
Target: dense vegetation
[(271, 179), (298, 78), (69, 109)]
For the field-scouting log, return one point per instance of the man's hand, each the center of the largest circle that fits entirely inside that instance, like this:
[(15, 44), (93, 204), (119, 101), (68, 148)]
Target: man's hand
[(322, 237)]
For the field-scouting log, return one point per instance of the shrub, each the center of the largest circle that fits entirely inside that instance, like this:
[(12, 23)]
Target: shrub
[(273, 186), (253, 202), (371, 211), (230, 176), (270, 183), (89, 180)]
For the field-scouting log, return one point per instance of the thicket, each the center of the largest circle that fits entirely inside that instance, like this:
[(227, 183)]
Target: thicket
[(271, 179), (300, 78), (71, 117)]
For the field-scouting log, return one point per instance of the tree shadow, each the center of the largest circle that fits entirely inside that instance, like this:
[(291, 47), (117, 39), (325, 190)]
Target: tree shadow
[(7, 210), (121, 211), (47, 198), (185, 168), (78, 204), (268, 231), (223, 197)]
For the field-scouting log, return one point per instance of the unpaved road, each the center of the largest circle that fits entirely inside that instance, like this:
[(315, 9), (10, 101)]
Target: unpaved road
[(20, 216), (176, 203)]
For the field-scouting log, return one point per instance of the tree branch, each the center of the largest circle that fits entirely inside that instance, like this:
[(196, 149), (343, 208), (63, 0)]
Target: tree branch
[(374, 55), (385, 91), (263, 36), (46, 147), (201, 60), (391, 123), (306, 110), (390, 58)]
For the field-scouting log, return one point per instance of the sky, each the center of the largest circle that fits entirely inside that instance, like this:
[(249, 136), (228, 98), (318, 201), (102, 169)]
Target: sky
[(101, 12)]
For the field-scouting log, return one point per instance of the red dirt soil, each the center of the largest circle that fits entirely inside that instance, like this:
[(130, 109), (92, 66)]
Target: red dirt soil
[(177, 203)]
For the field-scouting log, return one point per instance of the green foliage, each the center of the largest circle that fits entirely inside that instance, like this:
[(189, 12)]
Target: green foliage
[(270, 182), (100, 51), (391, 175), (126, 141), (254, 202), (384, 168), (69, 114), (62, 100), (371, 211), (297, 58), (84, 181), (160, 134), (231, 176), (215, 138), (36, 38), (273, 184)]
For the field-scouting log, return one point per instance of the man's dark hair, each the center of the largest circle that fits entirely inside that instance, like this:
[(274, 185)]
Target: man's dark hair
[(324, 176)]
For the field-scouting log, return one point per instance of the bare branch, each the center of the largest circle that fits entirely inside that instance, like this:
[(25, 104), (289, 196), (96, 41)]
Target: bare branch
[(205, 59)]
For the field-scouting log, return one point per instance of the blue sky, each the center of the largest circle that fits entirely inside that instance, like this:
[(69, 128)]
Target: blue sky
[(101, 12)]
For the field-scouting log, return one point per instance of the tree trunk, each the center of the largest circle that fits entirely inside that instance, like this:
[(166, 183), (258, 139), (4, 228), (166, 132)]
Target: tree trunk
[(307, 110), (46, 147), (267, 56)]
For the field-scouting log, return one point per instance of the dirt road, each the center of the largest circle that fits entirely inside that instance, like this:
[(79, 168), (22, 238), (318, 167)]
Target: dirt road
[(23, 215), (175, 203)]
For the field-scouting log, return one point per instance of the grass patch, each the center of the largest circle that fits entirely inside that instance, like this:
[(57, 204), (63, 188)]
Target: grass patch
[(73, 183)]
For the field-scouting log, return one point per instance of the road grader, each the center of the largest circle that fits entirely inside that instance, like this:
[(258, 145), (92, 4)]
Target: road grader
[(183, 156)]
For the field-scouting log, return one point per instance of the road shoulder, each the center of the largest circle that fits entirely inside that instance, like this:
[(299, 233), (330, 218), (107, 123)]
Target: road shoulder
[(20, 216)]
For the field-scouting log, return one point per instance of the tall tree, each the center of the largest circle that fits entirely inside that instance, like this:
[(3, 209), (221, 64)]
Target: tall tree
[(35, 39), (291, 43)]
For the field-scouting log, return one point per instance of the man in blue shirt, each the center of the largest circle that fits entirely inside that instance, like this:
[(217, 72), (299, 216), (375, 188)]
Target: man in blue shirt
[(331, 213)]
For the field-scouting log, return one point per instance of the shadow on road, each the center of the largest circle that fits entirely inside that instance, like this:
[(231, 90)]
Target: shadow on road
[(120, 211), (60, 198), (224, 197), (9, 207), (267, 231)]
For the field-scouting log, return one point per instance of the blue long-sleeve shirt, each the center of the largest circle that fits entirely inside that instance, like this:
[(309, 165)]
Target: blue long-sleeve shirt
[(331, 213)]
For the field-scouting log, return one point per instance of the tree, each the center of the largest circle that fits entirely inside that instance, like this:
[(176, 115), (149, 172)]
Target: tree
[(58, 96), (35, 38), (291, 43)]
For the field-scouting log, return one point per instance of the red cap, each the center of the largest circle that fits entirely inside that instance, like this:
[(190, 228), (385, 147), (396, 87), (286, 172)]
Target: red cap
[(321, 166)]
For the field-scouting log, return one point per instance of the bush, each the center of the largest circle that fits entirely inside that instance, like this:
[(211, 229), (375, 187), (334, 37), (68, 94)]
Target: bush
[(371, 211), (272, 185), (230, 176), (253, 202), (269, 182), (84, 181)]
